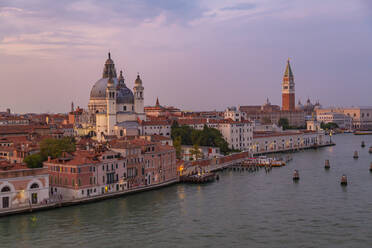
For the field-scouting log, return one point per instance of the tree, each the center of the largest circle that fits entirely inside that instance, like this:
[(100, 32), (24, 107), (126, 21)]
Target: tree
[(177, 145), (206, 137), (284, 123), (55, 147), (329, 125), (195, 152), (50, 147), (34, 161)]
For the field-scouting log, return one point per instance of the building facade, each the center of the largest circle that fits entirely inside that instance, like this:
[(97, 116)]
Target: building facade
[(22, 187)]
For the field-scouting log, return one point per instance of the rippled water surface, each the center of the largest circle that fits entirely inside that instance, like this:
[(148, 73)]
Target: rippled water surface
[(241, 210)]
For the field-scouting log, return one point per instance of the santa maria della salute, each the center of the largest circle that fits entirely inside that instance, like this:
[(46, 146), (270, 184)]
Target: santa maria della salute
[(113, 107)]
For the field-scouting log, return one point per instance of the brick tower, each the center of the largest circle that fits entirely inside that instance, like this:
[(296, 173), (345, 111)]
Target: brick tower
[(288, 89)]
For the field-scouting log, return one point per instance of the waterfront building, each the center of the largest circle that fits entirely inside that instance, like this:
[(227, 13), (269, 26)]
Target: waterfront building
[(361, 116), (21, 186), (149, 163), (86, 173), (267, 142), (343, 121), (112, 102)]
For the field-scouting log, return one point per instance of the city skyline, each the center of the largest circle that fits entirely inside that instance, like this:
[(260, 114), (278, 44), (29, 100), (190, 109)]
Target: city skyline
[(193, 55)]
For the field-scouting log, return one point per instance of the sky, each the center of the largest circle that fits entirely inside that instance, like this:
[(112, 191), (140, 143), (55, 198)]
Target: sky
[(192, 54)]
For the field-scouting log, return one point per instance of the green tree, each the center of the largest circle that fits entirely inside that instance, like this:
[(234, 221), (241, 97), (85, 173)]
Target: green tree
[(177, 145), (34, 161), (55, 147), (284, 123), (50, 147)]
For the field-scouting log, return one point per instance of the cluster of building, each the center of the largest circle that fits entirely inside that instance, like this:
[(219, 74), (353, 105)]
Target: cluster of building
[(91, 171)]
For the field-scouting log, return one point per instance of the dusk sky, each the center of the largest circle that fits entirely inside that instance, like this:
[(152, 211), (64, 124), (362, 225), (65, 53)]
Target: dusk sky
[(192, 54)]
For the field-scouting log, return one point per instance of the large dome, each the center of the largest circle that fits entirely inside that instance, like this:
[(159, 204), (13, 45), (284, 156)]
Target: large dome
[(98, 91)]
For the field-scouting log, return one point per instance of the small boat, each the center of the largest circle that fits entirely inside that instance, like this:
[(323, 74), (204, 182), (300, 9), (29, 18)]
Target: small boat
[(360, 132), (363, 144), (356, 155), (370, 168), (326, 164), (344, 180), (370, 149), (296, 175), (277, 163)]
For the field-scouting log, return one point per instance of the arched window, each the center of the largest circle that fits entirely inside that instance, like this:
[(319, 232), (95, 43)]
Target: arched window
[(34, 186), (5, 189)]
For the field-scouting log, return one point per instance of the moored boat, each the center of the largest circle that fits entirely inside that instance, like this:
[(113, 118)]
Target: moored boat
[(344, 180), (326, 164), (363, 132), (296, 175)]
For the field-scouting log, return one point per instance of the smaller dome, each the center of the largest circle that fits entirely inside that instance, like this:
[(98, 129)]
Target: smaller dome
[(125, 96)]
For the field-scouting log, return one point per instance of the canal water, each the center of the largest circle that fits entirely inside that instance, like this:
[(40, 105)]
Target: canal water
[(242, 209)]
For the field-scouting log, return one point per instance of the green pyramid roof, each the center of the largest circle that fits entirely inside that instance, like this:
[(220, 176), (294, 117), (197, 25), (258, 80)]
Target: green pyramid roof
[(288, 70)]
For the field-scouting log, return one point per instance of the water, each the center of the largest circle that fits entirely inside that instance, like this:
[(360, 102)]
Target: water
[(241, 210)]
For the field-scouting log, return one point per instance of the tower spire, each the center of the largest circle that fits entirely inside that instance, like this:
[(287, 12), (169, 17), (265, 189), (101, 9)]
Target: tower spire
[(157, 102)]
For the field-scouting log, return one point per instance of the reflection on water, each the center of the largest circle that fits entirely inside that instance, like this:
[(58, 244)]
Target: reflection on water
[(240, 210)]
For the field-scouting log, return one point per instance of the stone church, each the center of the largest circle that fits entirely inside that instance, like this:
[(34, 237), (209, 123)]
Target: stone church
[(116, 108)]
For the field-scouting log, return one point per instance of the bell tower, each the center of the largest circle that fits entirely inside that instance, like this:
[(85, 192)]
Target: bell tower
[(288, 89), (111, 106)]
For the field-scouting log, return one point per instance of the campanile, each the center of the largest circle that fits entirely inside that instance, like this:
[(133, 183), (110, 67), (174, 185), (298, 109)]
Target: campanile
[(288, 89)]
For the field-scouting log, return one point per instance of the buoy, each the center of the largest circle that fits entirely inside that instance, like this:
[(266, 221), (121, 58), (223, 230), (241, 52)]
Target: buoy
[(363, 144), (356, 155), (296, 175), (326, 164), (343, 180)]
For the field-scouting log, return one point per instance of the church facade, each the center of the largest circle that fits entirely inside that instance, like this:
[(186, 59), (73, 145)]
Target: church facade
[(113, 104)]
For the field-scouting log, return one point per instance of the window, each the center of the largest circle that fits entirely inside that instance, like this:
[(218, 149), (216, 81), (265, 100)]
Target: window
[(79, 182), (5, 189), (34, 186), (6, 202)]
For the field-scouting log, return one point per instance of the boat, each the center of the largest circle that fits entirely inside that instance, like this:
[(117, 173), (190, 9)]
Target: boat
[(343, 180), (296, 175), (370, 149), (326, 164), (277, 163), (356, 155), (360, 132)]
